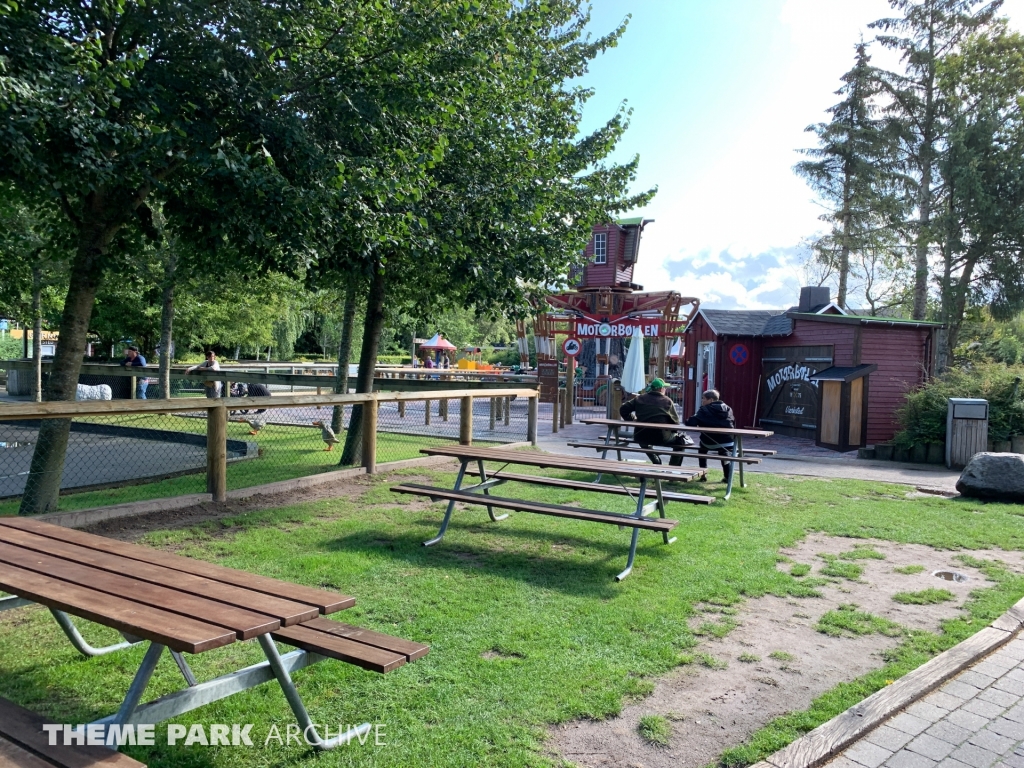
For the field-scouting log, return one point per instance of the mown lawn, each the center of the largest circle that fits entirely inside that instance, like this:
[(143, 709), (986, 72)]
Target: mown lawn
[(526, 625), (285, 452)]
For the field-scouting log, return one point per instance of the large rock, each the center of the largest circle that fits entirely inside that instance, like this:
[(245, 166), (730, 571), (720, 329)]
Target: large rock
[(995, 476)]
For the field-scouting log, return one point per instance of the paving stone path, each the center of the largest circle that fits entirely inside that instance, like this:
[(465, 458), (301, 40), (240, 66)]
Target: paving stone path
[(976, 720)]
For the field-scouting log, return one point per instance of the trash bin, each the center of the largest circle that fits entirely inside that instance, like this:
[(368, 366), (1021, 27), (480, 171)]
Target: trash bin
[(614, 398), (966, 430)]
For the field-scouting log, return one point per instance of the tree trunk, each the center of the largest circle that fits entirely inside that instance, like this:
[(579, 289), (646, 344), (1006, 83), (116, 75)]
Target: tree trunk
[(37, 334), (167, 323), (958, 307), (373, 325), (844, 249), (43, 485), (924, 192), (348, 319)]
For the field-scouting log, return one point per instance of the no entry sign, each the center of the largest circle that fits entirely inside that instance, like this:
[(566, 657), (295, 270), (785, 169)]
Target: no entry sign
[(571, 347)]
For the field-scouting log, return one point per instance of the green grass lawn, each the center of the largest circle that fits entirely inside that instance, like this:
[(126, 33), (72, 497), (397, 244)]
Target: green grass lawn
[(286, 452), (526, 625)]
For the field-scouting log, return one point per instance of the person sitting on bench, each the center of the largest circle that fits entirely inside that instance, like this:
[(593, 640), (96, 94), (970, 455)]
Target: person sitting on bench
[(714, 413), (653, 407)]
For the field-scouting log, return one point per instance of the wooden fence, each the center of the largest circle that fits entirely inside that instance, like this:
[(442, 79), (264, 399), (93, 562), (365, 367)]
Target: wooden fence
[(217, 416)]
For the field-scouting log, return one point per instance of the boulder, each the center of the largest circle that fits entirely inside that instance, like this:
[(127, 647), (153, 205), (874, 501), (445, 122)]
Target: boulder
[(994, 476), (97, 392)]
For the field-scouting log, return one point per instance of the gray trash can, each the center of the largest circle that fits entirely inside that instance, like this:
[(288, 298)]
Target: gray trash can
[(966, 430)]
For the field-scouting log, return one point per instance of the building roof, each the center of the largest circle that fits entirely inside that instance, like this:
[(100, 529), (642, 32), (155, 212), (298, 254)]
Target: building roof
[(634, 221), (895, 322), (747, 322)]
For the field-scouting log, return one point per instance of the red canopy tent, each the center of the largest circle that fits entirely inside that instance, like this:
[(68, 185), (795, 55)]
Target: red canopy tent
[(438, 342)]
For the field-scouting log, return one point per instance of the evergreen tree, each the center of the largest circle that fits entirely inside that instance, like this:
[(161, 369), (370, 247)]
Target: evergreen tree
[(850, 171), (927, 31)]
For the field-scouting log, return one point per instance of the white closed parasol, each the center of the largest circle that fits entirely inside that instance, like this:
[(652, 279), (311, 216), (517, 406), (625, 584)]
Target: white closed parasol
[(633, 379)]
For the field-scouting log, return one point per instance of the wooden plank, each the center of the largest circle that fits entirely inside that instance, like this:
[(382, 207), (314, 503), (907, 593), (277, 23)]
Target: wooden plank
[(555, 510), (830, 411), (828, 739), (13, 756), (407, 648), (325, 602), (856, 410), (678, 427), (561, 461), (176, 632), (581, 485), (246, 624), (285, 611), (343, 649), (611, 448), (25, 728)]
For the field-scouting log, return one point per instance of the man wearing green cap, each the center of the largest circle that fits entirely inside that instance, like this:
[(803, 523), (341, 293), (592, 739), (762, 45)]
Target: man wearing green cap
[(653, 407)]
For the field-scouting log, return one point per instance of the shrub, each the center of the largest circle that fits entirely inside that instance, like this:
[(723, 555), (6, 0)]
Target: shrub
[(922, 417)]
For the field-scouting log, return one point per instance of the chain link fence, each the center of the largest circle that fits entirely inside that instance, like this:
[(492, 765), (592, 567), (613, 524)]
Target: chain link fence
[(148, 450)]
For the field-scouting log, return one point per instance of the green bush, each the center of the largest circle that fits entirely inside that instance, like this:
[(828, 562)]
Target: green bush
[(922, 417), (393, 360), (10, 349)]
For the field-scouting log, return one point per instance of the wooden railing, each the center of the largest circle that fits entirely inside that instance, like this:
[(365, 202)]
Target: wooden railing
[(217, 416)]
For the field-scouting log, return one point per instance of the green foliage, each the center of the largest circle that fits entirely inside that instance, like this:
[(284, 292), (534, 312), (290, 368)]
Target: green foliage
[(833, 567), (909, 570), (922, 417), (10, 349), (846, 620), (800, 569), (924, 597), (782, 656), (655, 729), (862, 553), (749, 658)]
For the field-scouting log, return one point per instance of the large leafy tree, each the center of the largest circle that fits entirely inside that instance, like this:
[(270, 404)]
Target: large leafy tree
[(108, 106), (981, 225), (927, 31)]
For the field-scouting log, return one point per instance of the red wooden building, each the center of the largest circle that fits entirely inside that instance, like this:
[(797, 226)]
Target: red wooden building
[(761, 361)]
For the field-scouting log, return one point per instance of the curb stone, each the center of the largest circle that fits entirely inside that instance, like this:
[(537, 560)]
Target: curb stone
[(829, 739)]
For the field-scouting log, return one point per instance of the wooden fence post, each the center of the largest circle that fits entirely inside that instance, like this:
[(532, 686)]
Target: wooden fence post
[(426, 412), (508, 408), (217, 452), (531, 419), (442, 409), (490, 426), (564, 416), (370, 436), (554, 411), (466, 422), (401, 409)]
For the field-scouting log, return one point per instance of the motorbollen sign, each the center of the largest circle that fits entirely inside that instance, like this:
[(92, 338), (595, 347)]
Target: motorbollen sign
[(587, 328)]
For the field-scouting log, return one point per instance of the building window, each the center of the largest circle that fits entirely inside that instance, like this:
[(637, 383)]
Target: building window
[(601, 248)]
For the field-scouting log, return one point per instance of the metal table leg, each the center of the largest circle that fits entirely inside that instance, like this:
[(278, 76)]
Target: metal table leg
[(79, 642), (636, 531), (739, 449), (732, 473), (451, 506), (486, 490), (661, 510)]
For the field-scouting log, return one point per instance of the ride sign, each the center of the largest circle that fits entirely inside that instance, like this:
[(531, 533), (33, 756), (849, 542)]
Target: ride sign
[(622, 327), (571, 347)]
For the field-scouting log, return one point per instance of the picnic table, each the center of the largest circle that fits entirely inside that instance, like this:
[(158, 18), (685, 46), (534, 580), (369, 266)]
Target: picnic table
[(615, 441), (480, 493), (185, 606)]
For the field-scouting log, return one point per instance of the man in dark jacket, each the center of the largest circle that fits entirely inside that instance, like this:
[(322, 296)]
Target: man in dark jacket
[(653, 407), (714, 413)]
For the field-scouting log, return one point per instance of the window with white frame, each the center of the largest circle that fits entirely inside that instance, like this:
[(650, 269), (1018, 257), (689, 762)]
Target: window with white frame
[(601, 248)]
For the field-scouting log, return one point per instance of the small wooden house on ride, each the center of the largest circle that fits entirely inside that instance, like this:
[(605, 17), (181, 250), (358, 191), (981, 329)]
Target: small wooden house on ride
[(763, 361)]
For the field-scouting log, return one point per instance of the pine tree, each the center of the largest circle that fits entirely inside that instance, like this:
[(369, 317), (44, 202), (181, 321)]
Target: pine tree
[(927, 31), (851, 172)]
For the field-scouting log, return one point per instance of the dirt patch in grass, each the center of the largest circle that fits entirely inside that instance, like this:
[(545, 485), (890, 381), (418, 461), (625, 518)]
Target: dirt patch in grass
[(711, 708), (137, 526)]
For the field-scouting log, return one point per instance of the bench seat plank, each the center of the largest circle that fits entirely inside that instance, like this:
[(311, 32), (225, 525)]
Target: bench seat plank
[(322, 600), (13, 756), (24, 729), (581, 485), (285, 611), (178, 633), (625, 448), (555, 510), (343, 649), (678, 427), (245, 624), (562, 461), (407, 648)]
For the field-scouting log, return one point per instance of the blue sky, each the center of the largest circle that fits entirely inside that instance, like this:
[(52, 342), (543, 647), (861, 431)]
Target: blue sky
[(721, 93)]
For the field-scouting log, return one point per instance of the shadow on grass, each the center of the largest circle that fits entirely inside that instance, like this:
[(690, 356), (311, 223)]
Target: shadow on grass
[(587, 568)]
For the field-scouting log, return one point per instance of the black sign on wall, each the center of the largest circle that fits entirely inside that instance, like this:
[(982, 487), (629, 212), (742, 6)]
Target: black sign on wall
[(789, 399)]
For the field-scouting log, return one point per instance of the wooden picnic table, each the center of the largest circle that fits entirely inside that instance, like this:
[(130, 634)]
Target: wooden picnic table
[(612, 427), (185, 606), (480, 494)]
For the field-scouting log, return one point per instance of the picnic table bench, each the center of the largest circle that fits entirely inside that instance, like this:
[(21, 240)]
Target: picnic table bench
[(185, 606), (480, 493), (614, 438), (24, 745)]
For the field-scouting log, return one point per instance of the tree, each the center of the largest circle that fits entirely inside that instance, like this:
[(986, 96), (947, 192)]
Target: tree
[(852, 173), (982, 168), (108, 106), (927, 31)]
